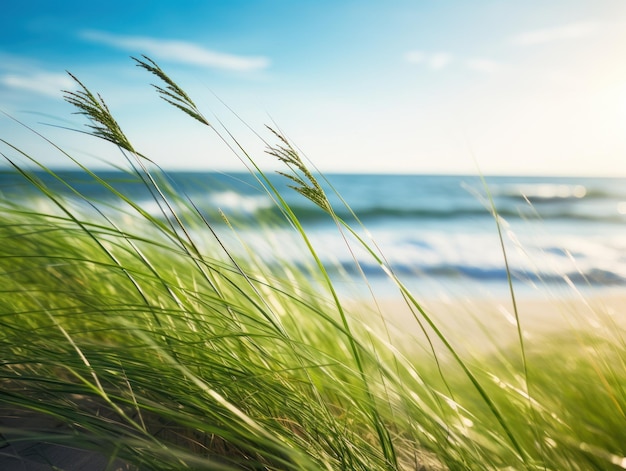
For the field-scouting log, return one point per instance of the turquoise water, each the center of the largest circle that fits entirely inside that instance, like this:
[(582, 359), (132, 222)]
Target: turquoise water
[(429, 227)]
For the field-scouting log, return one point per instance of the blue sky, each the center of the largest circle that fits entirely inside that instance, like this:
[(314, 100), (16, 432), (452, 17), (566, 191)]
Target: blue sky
[(501, 87)]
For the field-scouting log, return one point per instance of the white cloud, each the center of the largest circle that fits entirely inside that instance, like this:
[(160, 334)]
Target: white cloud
[(480, 64), (415, 57), (42, 83), (439, 60), (541, 36), (436, 60), (15, 63), (178, 51)]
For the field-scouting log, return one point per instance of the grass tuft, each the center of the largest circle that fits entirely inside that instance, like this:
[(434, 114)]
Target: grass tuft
[(156, 343)]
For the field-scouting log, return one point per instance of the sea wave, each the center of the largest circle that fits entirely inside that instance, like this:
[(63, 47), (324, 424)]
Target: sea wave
[(255, 209), (594, 277), (234, 201), (311, 214), (552, 192), (597, 260), (433, 226)]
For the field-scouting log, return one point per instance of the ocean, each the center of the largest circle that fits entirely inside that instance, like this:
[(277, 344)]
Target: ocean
[(437, 232)]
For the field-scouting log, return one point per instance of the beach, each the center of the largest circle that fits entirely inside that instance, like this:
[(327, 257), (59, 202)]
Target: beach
[(239, 329), (481, 326)]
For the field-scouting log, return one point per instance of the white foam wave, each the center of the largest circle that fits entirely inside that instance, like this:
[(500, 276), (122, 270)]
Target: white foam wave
[(542, 191), (471, 253), (233, 201)]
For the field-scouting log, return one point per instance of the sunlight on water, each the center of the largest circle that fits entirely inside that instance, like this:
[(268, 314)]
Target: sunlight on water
[(541, 191), (548, 191)]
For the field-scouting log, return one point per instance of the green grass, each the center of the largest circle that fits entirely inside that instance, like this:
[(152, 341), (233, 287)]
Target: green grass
[(169, 352)]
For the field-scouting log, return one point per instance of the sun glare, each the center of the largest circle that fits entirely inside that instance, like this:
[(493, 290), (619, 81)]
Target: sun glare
[(622, 101)]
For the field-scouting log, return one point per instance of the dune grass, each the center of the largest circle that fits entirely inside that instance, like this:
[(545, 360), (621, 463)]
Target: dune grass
[(150, 340)]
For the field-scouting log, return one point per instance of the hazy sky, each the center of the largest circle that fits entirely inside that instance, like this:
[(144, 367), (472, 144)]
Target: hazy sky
[(531, 87)]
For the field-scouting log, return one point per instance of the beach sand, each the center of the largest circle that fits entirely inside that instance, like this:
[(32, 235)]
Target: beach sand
[(480, 325)]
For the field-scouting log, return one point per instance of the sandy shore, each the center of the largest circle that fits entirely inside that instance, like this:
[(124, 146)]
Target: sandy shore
[(479, 325)]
